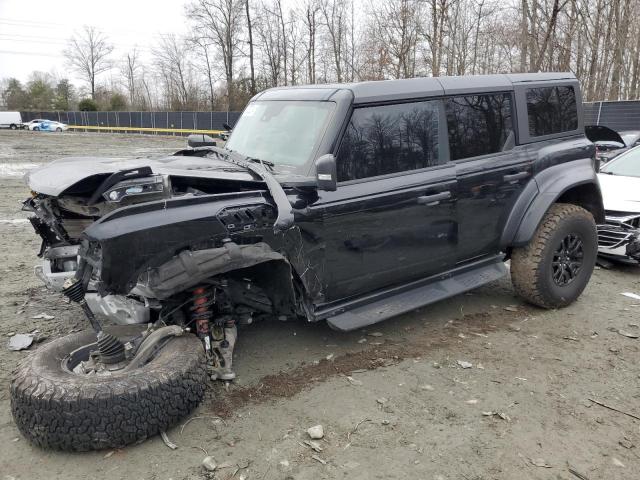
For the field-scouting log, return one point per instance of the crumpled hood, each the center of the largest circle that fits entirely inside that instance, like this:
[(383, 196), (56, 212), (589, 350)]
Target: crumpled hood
[(620, 194), (57, 176)]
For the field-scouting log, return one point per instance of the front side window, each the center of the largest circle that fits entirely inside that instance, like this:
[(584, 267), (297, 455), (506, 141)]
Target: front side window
[(281, 132), (479, 125), (389, 139), (551, 110)]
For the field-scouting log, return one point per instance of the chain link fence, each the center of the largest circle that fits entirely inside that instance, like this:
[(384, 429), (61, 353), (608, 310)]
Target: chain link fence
[(141, 122)]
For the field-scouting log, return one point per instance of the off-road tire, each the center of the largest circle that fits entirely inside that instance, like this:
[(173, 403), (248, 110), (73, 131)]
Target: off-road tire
[(531, 266), (57, 409)]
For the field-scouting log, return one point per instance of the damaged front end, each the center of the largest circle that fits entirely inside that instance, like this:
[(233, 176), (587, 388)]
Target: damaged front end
[(204, 255), (619, 237)]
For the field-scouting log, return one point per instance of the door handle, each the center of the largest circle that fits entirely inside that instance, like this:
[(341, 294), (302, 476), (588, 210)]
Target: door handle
[(515, 176), (430, 200)]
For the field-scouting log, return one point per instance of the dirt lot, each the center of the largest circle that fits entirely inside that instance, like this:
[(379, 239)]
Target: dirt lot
[(393, 400)]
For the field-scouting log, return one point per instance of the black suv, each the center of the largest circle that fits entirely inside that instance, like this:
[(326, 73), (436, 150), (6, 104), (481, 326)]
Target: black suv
[(347, 203)]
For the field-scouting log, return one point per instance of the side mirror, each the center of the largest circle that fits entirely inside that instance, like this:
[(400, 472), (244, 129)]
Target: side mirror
[(196, 140), (227, 126), (326, 173)]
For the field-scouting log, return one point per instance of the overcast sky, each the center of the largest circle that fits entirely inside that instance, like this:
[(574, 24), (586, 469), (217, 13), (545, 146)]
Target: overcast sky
[(34, 33)]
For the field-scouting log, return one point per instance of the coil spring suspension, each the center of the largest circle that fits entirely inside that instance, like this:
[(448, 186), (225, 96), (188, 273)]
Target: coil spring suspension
[(201, 314), (110, 347)]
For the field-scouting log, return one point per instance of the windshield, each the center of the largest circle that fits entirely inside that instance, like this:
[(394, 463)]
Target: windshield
[(630, 138), (626, 165), (280, 132)]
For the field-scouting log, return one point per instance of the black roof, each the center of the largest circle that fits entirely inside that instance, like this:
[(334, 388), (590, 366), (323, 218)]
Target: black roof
[(386, 90)]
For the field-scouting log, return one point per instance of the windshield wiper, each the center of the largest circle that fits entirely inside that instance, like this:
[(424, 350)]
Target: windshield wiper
[(261, 162)]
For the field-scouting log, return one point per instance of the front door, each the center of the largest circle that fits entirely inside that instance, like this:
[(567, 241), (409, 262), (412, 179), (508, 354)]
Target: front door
[(393, 217)]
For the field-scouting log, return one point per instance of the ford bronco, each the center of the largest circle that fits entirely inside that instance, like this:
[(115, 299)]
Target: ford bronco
[(349, 204)]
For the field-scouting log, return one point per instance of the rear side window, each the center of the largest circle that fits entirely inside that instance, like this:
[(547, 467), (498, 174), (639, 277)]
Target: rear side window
[(551, 110), (479, 125), (389, 139)]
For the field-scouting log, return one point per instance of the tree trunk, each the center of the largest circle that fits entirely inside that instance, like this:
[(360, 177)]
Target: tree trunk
[(251, 62)]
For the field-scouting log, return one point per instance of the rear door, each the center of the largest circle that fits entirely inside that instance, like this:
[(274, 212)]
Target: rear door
[(491, 170), (393, 216)]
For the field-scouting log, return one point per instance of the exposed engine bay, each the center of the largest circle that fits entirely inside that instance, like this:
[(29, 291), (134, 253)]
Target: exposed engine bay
[(177, 243)]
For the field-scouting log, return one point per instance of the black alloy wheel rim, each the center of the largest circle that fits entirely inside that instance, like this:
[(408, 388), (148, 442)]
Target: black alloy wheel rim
[(567, 260)]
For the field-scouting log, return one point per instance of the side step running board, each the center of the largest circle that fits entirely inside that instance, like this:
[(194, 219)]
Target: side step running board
[(408, 300)]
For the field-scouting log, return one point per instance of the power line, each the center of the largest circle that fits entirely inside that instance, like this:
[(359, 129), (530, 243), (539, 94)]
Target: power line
[(35, 54)]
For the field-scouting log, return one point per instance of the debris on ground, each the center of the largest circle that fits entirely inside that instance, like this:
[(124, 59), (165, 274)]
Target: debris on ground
[(316, 432), (464, 364), (375, 334), (626, 443), (312, 445), (20, 341), (318, 459), (43, 316), (500, 415), (635, 296), (617, 462), (614, 409), (511, 308), (628, 334), (573, 339), (167, 442), (539, 462), (354, 382), (209, 464)]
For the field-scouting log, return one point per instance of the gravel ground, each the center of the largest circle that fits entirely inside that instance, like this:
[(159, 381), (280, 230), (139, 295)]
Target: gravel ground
[(394, 401)]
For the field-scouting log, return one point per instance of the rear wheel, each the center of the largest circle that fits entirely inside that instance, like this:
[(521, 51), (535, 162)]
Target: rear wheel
[(37, 129), (556, 265), (56, 408), (13, 126)]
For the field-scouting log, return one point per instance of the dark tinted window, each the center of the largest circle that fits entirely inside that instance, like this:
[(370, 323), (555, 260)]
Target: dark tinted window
[(551, 110), (389, 139), (479, 124)]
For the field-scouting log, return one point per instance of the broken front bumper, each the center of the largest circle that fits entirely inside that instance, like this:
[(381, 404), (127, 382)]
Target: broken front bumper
[(619, 240), (60, 263)]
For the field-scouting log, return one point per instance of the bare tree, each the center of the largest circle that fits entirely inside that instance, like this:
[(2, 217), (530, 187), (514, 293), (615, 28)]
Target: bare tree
[(220, 21), (172, 61), (251, 56), (129, 69), (88, 53)]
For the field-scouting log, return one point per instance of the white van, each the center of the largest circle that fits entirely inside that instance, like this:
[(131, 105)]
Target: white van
[(11, 120)]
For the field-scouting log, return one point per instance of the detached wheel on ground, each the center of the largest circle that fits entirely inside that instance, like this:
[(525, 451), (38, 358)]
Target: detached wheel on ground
[(56, 408), (556, 265)]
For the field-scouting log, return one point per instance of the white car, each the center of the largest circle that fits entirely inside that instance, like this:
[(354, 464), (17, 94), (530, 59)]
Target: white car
[(47, 126), (619, 238), (31, 123)]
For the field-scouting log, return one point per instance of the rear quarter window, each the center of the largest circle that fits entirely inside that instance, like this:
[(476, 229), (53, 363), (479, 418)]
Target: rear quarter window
[(551, 110)]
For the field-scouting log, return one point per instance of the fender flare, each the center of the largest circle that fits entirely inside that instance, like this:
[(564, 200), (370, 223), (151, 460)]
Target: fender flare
[(545, 189)]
